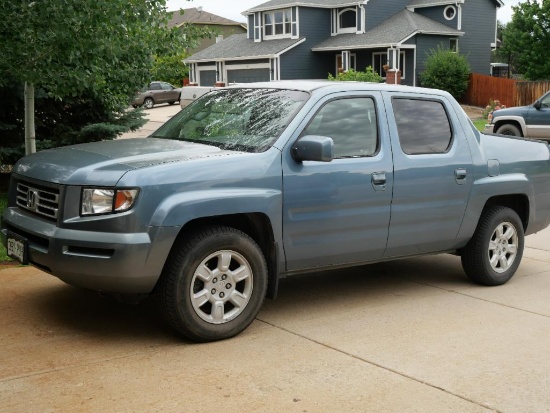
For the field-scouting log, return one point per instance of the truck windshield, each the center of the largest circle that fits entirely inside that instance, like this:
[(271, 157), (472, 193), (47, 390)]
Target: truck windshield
[(243, 119)]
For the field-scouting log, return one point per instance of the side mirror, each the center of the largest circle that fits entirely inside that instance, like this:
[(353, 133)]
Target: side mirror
[(537, 104), (313, 148)]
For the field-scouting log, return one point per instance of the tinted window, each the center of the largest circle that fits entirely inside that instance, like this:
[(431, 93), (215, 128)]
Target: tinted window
[(154, 86), (166, 86), (423, 126), (351, 123), (240, 119)]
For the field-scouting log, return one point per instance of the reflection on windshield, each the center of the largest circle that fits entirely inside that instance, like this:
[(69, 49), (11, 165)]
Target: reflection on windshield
[(241, 119)]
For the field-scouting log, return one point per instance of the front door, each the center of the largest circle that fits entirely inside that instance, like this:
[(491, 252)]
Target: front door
[(338, 212), (538, 120)]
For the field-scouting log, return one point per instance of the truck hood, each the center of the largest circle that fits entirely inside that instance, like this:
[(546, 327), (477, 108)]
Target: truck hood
[(104, 163), (515, 111)]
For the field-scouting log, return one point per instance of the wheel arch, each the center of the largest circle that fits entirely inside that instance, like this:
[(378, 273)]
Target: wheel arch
[(517, 202), (517, 121), (256, 225)]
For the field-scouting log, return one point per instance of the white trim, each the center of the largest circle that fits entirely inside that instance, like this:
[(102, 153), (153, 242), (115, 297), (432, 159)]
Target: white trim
[(459, 26), (455, 12), (450, 45), (285, 35), (351, 3), (352, 59), (453, 2), (203, 69), (340, 30), (402, 55)]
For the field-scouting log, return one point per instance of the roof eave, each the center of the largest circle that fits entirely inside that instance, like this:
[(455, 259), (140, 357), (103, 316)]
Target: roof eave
[(300, 4)]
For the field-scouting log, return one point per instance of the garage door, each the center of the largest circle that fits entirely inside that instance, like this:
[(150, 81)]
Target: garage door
[(248, 75), (207, 77)]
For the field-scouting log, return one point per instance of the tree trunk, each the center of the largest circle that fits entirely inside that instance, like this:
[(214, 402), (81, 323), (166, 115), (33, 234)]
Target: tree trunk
[(30, 133)]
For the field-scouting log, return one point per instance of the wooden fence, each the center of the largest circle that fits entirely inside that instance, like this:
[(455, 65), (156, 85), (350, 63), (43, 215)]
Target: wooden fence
[(509, 92)]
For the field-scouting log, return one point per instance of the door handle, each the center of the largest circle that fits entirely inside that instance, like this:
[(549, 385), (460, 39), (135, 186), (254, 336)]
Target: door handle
[(460, 175), (378, 180)]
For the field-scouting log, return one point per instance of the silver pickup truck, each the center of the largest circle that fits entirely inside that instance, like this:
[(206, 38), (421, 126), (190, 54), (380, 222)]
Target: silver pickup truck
[(253, 183)]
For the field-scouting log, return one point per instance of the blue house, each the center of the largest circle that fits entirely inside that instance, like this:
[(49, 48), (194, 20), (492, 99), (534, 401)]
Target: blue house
[(307, 39)]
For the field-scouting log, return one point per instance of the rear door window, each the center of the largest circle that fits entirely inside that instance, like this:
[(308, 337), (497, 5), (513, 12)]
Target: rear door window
[(423, 126)]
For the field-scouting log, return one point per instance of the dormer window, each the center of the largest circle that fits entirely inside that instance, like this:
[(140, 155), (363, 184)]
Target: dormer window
[(278, 24), (347, 20)]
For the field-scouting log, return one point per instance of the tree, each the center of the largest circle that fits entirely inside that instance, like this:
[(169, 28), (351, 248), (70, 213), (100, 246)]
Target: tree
[(102, 49), (446, 70), (527, 37)]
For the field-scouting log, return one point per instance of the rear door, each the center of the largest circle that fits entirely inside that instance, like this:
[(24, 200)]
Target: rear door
[(432, 174), (338, 212)]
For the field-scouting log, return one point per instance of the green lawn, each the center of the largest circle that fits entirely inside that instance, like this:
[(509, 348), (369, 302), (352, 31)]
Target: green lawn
[(3, 203), (479, 124)]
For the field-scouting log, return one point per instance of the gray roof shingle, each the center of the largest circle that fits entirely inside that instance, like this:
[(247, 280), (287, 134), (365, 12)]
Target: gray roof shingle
[(275, 4), (428, 3), (392, 31), (238, 46), (197, 16)]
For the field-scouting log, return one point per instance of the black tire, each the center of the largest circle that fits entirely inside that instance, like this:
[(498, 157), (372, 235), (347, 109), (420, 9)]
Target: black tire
[(509, 130), (494, 253), (172, 102), (213, 284), (148, 103)]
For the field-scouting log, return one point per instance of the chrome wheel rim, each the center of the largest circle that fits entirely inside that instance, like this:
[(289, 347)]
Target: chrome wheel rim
[(221, 287), (503, 247), (148, 104)]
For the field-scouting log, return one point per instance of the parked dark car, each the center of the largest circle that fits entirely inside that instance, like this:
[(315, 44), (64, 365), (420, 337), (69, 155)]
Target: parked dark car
[(157, 92), (532, 121)]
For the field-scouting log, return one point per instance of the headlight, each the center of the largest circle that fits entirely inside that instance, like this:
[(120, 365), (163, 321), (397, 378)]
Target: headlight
[(97, 201)]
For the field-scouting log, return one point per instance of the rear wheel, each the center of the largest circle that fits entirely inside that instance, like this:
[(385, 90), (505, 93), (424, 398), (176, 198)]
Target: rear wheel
[(214, 284), (148, 103), (509, 129), (494, 253)]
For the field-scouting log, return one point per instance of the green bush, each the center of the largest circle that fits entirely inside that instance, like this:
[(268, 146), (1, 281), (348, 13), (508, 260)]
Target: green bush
[(369, 75), (447, 71), (60, 122)]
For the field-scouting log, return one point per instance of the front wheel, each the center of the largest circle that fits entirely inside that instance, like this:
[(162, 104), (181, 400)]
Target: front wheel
[(213, 284), (494, 253), (509, 130)]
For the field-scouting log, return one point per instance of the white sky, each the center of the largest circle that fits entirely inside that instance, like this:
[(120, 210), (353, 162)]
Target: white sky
[(232, 9)]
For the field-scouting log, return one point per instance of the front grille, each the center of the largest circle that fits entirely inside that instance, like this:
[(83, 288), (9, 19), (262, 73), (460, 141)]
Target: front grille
[(38, 199)]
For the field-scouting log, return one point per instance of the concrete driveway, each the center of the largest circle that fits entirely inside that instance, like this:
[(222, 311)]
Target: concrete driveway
[(407, 336)]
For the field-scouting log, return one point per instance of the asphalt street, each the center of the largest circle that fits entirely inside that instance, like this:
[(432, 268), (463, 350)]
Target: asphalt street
[(413, 335)]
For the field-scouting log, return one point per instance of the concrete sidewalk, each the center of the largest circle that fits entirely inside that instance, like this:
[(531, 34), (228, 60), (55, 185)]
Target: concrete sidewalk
[(406, 336)]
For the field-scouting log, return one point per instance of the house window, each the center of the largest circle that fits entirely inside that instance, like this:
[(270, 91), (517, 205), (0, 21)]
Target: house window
[(449, 12), (453, 45), (278, 23), (347, 21), (379, 59), (340, 65)]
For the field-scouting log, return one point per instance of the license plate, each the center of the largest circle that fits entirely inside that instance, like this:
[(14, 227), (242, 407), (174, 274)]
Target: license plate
[(17, 248)]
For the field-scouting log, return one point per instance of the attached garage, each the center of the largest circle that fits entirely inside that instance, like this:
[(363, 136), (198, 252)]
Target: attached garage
[(247, 75), (207, 77)]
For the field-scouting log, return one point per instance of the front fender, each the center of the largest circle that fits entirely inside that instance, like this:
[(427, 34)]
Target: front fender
[(505, 119), (180, 208)]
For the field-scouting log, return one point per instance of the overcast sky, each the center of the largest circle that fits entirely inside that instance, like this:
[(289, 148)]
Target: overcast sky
[(232, 9)]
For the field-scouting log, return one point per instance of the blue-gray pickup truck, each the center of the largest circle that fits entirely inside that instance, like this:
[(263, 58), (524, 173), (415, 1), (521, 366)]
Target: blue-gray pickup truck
[(250, 184)]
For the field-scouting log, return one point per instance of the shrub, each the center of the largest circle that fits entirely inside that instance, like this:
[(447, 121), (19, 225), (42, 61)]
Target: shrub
[(369, 75), (491, 107), (447, 71)]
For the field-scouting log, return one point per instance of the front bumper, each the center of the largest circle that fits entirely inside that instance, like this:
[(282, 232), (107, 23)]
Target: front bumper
[(110, 262)]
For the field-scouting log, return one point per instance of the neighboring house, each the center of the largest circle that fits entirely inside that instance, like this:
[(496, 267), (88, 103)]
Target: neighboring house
[(307, 39), (198, 17)]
